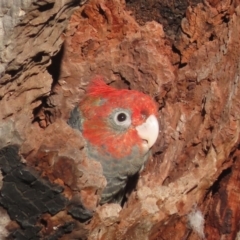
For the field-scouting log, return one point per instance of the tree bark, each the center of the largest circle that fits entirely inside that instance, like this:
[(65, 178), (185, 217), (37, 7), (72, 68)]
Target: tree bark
[(185, 54)]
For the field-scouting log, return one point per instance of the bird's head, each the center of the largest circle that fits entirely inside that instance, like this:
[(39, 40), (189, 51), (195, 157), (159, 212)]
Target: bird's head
[(116, 121)]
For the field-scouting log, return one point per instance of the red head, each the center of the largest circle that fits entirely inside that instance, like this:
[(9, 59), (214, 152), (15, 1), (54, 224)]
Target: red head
[(114, 121)]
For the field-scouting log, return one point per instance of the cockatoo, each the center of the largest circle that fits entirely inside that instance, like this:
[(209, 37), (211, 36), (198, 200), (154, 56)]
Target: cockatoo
[(119, 127)]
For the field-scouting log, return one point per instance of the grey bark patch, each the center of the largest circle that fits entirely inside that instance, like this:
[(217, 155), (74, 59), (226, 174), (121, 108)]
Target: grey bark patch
[(25, 195)]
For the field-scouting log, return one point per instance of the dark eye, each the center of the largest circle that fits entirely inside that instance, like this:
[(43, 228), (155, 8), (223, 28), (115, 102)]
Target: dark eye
[(122, 118)]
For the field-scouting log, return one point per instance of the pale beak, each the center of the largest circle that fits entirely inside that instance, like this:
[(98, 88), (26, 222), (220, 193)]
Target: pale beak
[(148, 131)]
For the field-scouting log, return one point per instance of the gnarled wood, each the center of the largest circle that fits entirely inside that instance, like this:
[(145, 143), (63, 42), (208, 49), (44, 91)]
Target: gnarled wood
[(189, 188)]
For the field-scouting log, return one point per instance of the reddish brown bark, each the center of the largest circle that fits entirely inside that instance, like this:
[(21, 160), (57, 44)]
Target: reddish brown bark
[(187, 59)]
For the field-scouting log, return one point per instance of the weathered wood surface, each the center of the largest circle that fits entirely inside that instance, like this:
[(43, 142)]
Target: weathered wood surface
[(187, 59)]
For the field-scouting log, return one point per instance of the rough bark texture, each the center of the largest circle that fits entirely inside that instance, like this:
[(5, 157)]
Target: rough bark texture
[(185, 54)]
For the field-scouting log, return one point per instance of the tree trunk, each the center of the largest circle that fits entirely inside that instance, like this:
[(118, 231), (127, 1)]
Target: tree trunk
[(185, 54)]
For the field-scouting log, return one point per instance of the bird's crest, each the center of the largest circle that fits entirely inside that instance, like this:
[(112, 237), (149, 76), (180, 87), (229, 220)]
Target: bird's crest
[(99, 87)]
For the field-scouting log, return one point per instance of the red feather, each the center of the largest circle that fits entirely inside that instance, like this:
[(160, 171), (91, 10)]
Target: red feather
[(98, 104), (99, 87)]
